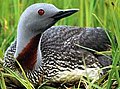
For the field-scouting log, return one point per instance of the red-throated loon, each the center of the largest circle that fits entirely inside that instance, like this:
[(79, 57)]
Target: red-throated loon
[(52, 51)]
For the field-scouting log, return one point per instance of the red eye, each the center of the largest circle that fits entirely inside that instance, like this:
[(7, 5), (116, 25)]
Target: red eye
[(41, 12)]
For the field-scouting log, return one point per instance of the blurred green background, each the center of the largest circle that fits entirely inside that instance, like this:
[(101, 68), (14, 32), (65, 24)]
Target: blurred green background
[(92, 13)]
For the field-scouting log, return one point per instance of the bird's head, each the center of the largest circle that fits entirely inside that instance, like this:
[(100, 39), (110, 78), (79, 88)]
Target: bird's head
[(40, 16)]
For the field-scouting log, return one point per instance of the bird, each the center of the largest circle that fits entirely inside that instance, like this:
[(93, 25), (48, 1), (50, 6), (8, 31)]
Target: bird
[(58, 54)]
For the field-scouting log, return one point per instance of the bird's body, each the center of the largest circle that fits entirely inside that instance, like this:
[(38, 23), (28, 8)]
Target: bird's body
[(65, 60), (57, 53)]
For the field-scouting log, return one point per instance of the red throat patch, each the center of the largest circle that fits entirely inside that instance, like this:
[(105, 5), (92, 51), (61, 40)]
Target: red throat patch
[(28, 57)]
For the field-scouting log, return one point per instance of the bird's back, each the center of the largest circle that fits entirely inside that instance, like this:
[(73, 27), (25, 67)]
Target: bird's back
[(63, 36), (64, 55)]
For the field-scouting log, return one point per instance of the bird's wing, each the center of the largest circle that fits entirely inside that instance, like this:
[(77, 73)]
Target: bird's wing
[(94, 38), (59, 49)]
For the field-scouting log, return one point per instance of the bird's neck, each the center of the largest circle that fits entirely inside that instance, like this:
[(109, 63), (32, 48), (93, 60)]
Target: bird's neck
[(28, 51)]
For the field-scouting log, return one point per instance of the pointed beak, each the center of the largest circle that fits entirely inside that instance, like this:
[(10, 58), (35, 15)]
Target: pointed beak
[(62, 14)]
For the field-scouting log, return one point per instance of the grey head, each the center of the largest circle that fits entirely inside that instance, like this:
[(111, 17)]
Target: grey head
[(40, 16)]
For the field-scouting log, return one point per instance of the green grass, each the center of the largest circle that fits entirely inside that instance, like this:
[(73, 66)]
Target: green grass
[(93, 13)]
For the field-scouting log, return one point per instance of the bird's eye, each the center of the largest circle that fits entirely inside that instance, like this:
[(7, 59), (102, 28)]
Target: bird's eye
[(41, 12)]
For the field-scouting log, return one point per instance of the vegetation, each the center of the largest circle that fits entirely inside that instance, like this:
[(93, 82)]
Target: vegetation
[(93, 13)]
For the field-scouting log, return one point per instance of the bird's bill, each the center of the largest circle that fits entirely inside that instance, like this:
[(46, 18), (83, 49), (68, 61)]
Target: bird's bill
[(61, 14)]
